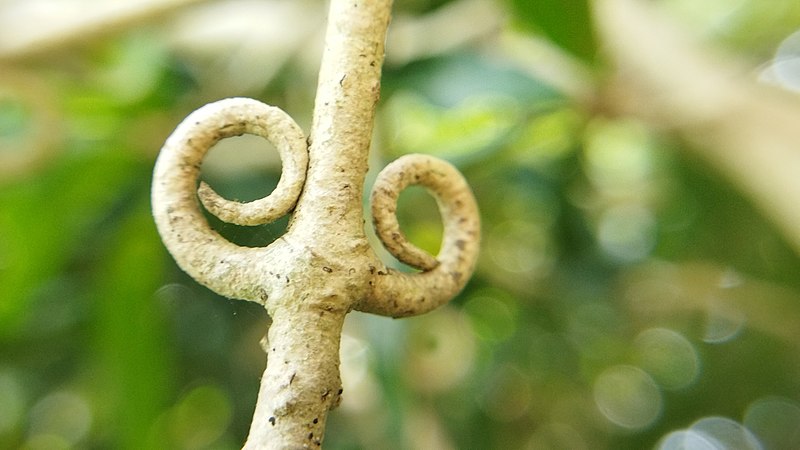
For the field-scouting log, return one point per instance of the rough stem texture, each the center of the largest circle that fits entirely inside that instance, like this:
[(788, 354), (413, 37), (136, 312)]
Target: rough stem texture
[(323, 267)]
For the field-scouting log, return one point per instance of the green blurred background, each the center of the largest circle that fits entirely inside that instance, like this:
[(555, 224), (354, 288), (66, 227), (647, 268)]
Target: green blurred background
[(632, 291)]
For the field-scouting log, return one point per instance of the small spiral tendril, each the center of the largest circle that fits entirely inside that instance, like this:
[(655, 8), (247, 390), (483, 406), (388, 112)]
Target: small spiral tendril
[(457, 207)]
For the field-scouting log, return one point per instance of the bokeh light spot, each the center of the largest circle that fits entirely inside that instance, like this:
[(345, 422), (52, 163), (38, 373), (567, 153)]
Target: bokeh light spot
[(62, 413), (723, 323), (776, 422), (200, 418), (357, 379), (521, 247), (441, 350), (711, 433), (785, 67), (727, 433), (627, 396), (618, 154), (493, 314), (627, 233), (171, 294), (687, 440), (668, 356), (508, 394)]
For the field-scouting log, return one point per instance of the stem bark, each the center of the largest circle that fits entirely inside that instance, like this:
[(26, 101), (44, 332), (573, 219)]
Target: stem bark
[(301, 382)]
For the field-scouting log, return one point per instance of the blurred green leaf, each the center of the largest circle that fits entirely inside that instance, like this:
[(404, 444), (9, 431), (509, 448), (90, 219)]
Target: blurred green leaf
[(137, 376), (460, 133), (567, 23), (449, 80), (47, 222)]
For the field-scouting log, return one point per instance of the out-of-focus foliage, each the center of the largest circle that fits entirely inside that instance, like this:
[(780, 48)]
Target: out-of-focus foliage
[(627, 296), (564, 22)]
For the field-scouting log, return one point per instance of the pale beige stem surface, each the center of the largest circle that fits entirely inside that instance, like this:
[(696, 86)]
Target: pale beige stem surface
[(323, 267)]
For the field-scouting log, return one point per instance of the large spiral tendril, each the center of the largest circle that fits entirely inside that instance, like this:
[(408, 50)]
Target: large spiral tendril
[(234, 117), (197, 248)]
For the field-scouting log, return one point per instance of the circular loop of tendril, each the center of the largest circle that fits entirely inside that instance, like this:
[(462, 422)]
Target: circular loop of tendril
[(234, 117), (457, 207)]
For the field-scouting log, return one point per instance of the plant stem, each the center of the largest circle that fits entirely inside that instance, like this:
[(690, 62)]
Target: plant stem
[(297, 390), (347, 93), (323, 266), (301, 382)]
